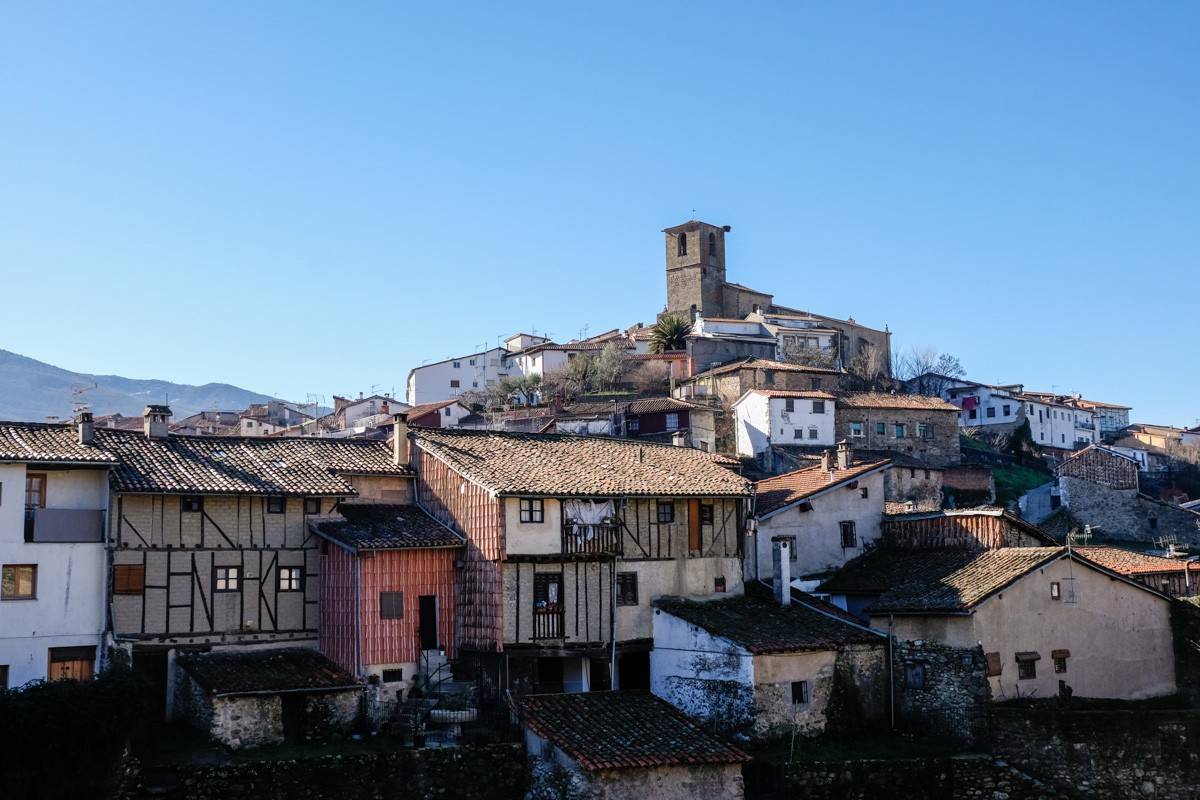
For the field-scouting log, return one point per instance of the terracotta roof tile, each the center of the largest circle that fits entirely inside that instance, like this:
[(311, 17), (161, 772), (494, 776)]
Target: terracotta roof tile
[(579, 466), (48, 443), (1131, 562), (250, 465), (797, 393), (367, 526), (783, 490), (881, 400), (275, 669), (763, 363), (621, 730)]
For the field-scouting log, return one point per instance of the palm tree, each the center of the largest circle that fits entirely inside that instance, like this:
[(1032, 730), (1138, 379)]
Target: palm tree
[(670, 333)]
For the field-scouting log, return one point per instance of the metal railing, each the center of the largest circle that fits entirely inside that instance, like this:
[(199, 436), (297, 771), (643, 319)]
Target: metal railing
[(598, 538), (64, 525)]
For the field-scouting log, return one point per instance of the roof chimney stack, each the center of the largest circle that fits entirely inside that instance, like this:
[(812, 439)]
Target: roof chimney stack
[(85, 426), (826, 460), (781, 569), (155, 420), (400, 438), (843, 454)]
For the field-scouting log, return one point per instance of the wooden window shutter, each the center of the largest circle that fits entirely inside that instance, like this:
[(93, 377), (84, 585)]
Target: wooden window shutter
[(129, 579), (994, 665)]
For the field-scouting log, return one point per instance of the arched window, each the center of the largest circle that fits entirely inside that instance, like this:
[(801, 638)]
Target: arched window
[(712, 245), (683, 244)]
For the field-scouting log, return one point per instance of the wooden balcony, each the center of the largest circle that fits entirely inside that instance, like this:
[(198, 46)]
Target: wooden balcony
[(547, 623), (602, 538)]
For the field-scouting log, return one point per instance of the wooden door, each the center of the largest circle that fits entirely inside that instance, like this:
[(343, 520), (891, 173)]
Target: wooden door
[(694, 541), (71, 663), (428, 621)]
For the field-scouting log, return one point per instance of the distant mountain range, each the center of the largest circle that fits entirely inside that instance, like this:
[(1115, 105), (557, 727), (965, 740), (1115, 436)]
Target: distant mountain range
[(32, 390)]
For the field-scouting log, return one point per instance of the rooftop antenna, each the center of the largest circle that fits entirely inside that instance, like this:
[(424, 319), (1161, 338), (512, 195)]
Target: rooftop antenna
[(79, 395)]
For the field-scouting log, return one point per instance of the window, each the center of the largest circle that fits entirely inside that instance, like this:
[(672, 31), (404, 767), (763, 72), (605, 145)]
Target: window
[(799, 693), (457, 364), (18, 582), (924, 430), (191, 505), (856, 430), (672, 422), (129, 579), (3, 676), (719, 584), (812, 433), (706, 514), (1055, 590), (881, 429), (1027, 666), (35, 490), (291, 579), (901, 430), (1060, 660), (864, 493), (818, 407), (914, 676), (227, 579), (789, 405), (994, 665), (447, 412), (769, 377), (1153, 522), (973, 414), (547, 588), (392, 675), (454, 384), (849, 537), (276, 505), (633, 425), (472, 362), (627, 593), (712, 245), (666, 512), (312, 505), (391, 605), (533, 509), (991, 412), (798, 433), (814, 383), (72, 663), (681, 244), (1006, 410)]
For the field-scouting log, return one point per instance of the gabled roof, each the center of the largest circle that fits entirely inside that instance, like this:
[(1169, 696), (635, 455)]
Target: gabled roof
[(763, 626), (753, 362), (46, 443), (657, 405), (418, 411), (1131, 562), (265, 671), (1100, 448), (368, 526), (563, 465), (882, 400), (243, 465), (775, 494), (797, 394), (622, 730)]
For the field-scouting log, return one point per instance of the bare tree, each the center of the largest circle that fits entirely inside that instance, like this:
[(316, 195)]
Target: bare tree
[(928, 372), (824, 357), (868, 370), (648, 377), (610, 365)]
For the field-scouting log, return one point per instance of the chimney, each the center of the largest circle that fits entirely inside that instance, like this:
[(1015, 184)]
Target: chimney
[(826, 460), (781, 569), (843, 454), (400, 438), (680, 439), (85, 426), (154, 421)]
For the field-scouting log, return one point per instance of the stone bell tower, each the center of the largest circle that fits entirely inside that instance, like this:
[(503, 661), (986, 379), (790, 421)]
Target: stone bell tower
[(695, 269)]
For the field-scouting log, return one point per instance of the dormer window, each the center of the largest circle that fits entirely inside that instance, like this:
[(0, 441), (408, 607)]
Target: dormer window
[(682, 244)]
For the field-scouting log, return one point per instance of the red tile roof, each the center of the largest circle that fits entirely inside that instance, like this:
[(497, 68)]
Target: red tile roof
[(622, 730), (881, 400), (38, 442), (369, 526), (797, 393), (1131, 562), (781, 491), (763, 363)]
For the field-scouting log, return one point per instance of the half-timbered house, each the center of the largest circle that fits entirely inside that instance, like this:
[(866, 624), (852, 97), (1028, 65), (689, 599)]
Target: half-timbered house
[(568, 540), (209, 540)]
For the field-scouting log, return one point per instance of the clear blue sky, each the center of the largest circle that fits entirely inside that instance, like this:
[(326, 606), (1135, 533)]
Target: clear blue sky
[(315, 199)]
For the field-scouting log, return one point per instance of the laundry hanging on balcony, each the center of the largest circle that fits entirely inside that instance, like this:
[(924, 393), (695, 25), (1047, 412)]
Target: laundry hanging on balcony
[(585, 516)]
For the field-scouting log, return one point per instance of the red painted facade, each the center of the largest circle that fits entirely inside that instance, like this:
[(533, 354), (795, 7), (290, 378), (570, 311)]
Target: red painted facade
[(352, 580)]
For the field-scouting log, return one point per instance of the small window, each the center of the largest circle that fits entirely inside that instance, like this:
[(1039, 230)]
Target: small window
[(227, 579), (719, 584), (627, 589), (312, 505), (856, 430), (818, 406), (881, 429), (991, 412), (472, 362), (633, 425), (291, 579), (1055, 590), (391, 605), (276, 505), (814, 383), (18, 582), (864, 493), (914, 676), (789, 404), (1026, 669), (798, 433), (712, 245), (1060, 664), (129, 579), (973, 414), (457, 364), (1006, 410), (3, 676), (769, 377), (666, 512), (925, 430), (447, 412), (849, 537), (1153, 522), (706, 514), (799, 693), (533, 509), (392, 675), (35, 490), (191, 504), (812, 433), (901, 430), (672, 421), (454, 384)]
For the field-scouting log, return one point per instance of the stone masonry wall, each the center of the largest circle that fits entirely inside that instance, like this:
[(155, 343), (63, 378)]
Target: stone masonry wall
[(942, 691), (1104, 754), (1125, 514), (942, 449)]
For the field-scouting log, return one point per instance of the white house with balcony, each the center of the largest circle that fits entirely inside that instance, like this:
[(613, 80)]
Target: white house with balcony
[(765, 417), (53, 567)]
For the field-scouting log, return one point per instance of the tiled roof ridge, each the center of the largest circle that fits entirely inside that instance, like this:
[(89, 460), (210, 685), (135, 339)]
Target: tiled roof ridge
[(251, 439)]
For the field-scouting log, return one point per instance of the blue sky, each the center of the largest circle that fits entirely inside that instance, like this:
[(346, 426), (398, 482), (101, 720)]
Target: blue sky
[(309, 199)]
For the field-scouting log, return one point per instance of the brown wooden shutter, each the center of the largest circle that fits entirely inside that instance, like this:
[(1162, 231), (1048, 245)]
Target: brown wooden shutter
[(695, 544), (994, 665), (129, 579)]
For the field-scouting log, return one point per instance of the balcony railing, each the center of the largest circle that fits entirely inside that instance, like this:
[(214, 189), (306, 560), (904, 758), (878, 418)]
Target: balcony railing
[(64, 525), (547, 623), (595, 538)]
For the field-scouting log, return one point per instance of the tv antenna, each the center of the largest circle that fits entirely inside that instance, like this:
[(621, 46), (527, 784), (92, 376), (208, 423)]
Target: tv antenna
[(79, 395)]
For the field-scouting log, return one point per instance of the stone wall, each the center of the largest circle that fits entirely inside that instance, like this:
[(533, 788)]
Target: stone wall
[(941, 449), (471, 773), (1117, 754), (941, 691), (1125, 514)]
